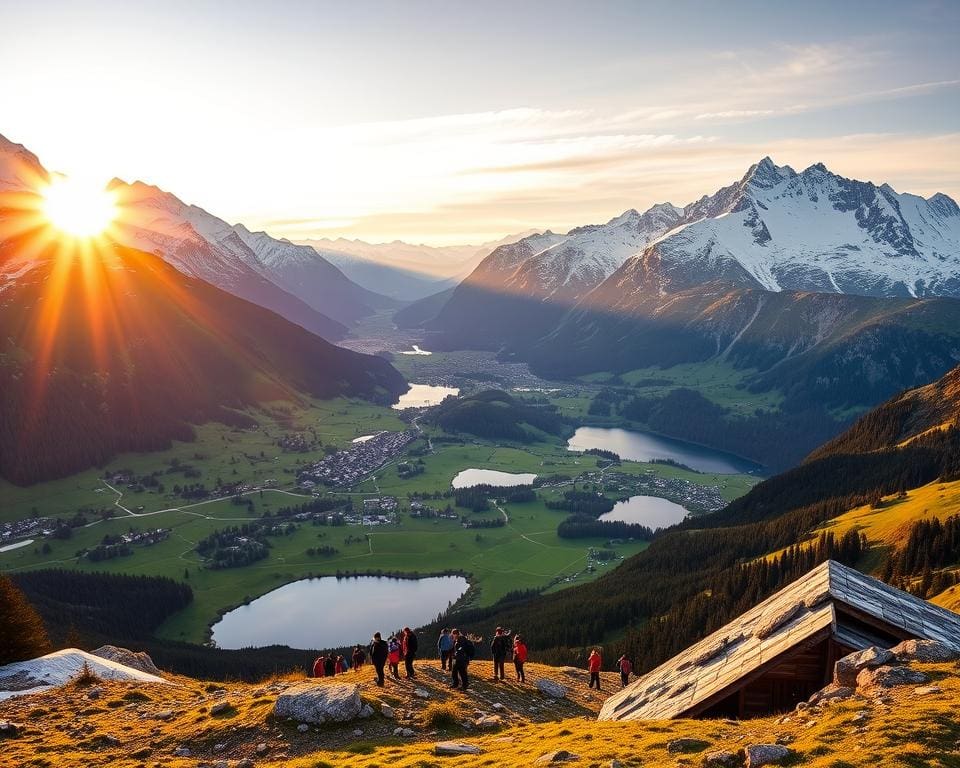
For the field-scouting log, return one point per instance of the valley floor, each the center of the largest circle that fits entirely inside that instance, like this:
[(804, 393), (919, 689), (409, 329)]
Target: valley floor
[(131, 724)]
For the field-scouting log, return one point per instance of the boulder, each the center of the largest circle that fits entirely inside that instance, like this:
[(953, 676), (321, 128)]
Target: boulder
[(929, 651), (135, 659), (387, 711), (552, 689), (313, 703), (721, 758), (890, 677), (764, 754), (845, 671), (456, 748), (10, 730), (679, 746), (220, 707), (832, 692), (489, 721), (420, 693), (927, 690)]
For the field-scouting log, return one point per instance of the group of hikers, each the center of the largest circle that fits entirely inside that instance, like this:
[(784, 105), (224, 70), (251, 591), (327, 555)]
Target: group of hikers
[(456, 649)]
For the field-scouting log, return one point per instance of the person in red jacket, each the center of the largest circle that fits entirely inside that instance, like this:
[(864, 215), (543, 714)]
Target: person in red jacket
[(519, 657), (393, 657), (318, 666), (341, 667), (625, 669), (594, 662)]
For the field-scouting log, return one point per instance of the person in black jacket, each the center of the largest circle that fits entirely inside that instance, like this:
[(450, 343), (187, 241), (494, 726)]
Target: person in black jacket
[(330, 666), (499, 648), (408, 645), (462, 653), (378, 655)]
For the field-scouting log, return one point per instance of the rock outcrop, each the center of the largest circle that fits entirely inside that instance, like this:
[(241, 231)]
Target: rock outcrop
[(134, 659), (845, 671)]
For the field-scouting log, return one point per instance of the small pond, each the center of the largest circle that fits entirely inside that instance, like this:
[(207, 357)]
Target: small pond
[(651, 511), (328, 612), (470, 477), (424, 395)]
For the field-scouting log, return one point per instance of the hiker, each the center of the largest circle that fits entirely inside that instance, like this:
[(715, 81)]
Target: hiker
[(519, 657), (594, 662), (341, 666), (625, 669), (463, 651), (318, 666), (329, 666), (359, 657), (445, 649), (378, 655), (498, 649), (408, 645), (394, 656)]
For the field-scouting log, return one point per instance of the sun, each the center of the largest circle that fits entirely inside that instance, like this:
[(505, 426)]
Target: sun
[(78, 208)]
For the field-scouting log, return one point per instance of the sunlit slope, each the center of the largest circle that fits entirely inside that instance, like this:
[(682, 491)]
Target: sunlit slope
[(108, 349), (889, 523), (900, 728)]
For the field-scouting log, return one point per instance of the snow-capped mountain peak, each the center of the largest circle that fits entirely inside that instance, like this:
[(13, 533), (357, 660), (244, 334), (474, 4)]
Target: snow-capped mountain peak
[(816, 231)]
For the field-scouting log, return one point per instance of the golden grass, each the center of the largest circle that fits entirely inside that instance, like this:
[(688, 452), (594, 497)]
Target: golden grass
[(65, 729)]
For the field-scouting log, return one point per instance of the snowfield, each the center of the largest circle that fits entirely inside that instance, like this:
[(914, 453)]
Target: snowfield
[(59, 668)]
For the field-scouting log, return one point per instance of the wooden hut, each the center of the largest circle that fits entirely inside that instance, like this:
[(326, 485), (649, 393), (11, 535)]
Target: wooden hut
[(783, 650)]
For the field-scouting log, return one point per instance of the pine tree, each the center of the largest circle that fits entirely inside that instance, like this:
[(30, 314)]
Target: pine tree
[(23, 635)]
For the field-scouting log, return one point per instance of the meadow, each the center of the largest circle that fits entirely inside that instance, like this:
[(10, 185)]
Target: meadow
[(525, 553)]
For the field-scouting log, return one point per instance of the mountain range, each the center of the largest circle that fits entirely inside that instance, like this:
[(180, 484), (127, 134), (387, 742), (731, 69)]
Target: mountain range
[(808, 280), (405, 271), (111, 348)]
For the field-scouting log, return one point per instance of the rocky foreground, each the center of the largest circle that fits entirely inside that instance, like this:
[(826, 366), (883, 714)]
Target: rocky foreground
[(882, 710)]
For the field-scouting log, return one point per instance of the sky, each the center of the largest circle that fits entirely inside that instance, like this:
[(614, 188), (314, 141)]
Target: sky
[(457, 122)]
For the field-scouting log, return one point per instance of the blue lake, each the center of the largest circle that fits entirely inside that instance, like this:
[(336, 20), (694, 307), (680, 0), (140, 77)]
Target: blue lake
[(645, 446)]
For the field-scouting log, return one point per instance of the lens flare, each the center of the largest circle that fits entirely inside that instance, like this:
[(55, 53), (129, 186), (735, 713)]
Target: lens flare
[(79, 208)]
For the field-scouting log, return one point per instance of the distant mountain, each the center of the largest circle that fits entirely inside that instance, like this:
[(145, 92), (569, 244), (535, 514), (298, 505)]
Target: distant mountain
[(403, 270), (773, 230), (521, 289), (288, 278), (203, 246), (777, 229), (119, 351)]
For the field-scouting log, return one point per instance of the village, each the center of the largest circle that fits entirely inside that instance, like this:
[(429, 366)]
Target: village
[(21, 529), (698, 499), (348, 467)]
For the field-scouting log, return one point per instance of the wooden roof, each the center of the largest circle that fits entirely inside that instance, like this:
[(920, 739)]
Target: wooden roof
[(800, 612)]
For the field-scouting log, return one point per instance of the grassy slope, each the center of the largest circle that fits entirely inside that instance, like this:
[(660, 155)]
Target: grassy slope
[(902, 729)]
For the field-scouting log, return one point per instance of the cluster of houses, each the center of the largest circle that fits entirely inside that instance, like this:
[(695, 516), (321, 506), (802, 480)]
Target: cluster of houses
[(693, 496), (420, 510), (350, 466), (21, 529)]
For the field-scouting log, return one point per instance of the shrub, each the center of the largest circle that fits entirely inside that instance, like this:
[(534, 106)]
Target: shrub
[(441, 715)]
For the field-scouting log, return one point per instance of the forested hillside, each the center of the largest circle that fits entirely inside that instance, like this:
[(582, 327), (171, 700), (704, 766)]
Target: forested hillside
[(114, 350), (690, 581), (498, 415)]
